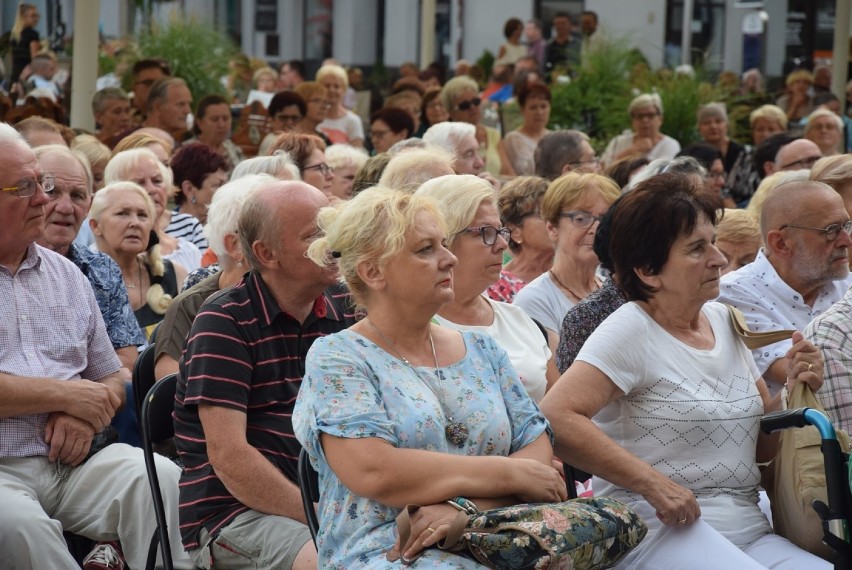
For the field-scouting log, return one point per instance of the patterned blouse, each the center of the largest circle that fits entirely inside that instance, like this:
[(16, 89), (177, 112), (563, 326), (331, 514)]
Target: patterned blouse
[(506, 287), (582, 319), (354, 389)]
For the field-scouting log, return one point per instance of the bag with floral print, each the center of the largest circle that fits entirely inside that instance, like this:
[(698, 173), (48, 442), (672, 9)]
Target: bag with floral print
[(588, 533)]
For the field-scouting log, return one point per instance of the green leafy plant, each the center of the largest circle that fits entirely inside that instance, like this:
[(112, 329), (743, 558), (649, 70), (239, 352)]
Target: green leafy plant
[(197, 53)]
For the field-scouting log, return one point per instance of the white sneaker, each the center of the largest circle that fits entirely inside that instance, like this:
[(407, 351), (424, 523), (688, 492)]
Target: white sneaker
[(104, 556)]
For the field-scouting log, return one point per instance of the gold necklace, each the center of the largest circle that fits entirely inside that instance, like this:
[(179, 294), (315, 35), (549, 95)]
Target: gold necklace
[(573, 294), (455, 432)]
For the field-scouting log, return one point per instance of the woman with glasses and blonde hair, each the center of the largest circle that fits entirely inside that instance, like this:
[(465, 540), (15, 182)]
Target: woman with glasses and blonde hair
[(644, 138), (460, 97), (478, 239), (572, 207)]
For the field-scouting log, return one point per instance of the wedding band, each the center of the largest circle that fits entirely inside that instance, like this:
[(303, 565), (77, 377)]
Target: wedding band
[(810, 366), (430, 529), (681, 521)]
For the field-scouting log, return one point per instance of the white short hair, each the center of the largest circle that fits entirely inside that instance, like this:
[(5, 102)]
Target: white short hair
[(448, 134), (223, 213)]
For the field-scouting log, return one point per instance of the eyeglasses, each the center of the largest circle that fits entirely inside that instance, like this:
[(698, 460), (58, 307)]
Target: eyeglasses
[(716, 175), (466, 105), (802, 162), (378, 133), (281, 117), (324, 168), (830, 233), (581, 219), (26, 187), (641, 116), (489, 233), (322, 103), (593, 161)]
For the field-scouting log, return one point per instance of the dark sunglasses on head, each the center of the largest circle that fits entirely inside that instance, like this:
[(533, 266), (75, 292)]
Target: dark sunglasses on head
[(466, 105)]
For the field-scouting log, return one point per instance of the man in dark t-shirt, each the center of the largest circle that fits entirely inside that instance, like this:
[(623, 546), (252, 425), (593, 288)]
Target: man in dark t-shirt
[(239, 377)]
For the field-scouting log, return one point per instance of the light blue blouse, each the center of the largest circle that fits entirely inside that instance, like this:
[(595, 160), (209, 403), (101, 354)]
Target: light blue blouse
[(354, 389)]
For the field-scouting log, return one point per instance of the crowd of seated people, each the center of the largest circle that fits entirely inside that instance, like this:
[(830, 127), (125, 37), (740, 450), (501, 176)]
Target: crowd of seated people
[(397, 292)]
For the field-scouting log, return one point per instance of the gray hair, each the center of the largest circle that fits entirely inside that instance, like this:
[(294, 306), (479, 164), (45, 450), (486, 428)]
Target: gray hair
[(81, 159), (680, 165), (223, 214), (448, 134), (555, 150), (272, 165), (107, 94)]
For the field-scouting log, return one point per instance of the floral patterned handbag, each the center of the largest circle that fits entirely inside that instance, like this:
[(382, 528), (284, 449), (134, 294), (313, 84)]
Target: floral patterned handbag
[(586, 533)]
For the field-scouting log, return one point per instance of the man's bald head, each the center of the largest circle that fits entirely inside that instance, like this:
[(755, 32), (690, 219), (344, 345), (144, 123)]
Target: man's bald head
[(796, 202), (800, 154)]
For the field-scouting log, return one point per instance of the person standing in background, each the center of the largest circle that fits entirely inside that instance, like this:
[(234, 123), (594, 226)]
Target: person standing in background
[(24, 40)]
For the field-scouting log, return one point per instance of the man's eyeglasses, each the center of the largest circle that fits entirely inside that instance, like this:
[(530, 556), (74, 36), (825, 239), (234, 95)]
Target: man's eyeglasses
[(26, 187), (489, 233), (281, 117), (324, 168), (830, 233), (593, 162), (581, 219), (802, 163), (466, 105)]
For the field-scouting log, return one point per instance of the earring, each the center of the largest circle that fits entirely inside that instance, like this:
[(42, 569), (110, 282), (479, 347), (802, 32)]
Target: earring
[(239, 264), (193, 200)]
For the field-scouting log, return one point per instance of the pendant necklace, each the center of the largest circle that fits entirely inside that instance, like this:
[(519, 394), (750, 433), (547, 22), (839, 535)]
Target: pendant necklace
[(573, 294), (456, 432)]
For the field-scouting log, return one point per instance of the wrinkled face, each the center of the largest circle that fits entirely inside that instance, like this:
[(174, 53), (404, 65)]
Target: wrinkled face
[(216, 123), (69, 202), (765, 128), (825, 132), (574, 241), (312, 172), (693, 268), (124, 226), (816, 260), (147, 175), (22, 220), (114, 117), (176, 108), (479, 265), (713, 130), (467, 159)]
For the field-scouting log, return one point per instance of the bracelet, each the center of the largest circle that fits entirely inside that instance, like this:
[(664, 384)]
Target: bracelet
[(464, 505)]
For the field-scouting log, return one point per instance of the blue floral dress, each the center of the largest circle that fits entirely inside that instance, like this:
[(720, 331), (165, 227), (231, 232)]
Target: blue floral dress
[(353, 389)]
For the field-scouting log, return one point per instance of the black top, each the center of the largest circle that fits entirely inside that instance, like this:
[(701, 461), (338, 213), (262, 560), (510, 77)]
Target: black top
[(146, 316), (21, 56)]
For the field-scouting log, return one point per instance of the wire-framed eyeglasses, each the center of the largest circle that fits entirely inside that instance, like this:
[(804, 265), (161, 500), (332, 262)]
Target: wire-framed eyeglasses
[(830, 233), (26, 187)]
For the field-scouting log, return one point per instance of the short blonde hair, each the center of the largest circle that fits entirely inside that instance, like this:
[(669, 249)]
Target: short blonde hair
[(768, 185), (572, 187), (646, 100), (334, 71), (459, 196), (737, 226), (264, 71), (453, 87), (140, 140), (769, 113), (800, 74), (836, 171), (372, 226), (121, 164), (409, 169), (89, 145)]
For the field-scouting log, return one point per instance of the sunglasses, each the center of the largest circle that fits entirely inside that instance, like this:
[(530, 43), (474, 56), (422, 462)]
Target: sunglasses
[(466, 105)]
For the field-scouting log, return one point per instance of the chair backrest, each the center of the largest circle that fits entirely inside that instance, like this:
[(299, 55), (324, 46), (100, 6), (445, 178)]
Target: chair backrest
[(157, 425), (143, 377), (309, 486)]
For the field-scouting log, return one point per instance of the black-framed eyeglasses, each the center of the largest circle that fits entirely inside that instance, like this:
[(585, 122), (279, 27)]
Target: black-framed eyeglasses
[(26, 187), (593, 161), (580, 218), (284, 118), (830, 233), (489, 233), (324, 168), (802, 163), (466, 105)]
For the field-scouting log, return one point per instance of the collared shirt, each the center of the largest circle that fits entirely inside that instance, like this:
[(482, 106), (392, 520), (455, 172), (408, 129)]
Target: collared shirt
[(245, 353), (768, 303), (105, 278), (831, 332), (50, 327)]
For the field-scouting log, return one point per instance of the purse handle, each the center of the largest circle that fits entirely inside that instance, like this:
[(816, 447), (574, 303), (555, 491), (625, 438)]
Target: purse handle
[(454, 535), (755, 340)]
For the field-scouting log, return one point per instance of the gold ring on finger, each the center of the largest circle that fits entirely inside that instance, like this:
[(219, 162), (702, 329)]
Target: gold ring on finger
[(810, 366), (681, 521), (430, 529)]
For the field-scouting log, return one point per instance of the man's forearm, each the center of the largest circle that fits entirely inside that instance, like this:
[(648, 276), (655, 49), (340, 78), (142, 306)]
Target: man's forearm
[(24, 395)]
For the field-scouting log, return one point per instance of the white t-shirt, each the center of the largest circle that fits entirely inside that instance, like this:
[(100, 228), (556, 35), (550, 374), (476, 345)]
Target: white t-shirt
[(691, 414), (343, 130), (515, 332), (542, 299), (667, 148)]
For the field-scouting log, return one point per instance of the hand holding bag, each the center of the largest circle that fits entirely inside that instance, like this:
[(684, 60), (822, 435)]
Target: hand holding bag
[(587, 533)]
